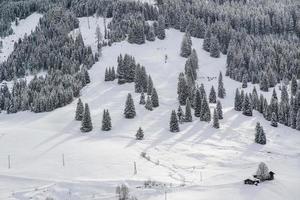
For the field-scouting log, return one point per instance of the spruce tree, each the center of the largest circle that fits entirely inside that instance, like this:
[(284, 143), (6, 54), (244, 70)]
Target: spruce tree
[(149, 85), (180, 114), (205, 111), (294, 85), (221, 89), (86, 123), (264, 82), (154, 98), (174, 126), (129, 111), (106, 77), (214, 47), (161, 28), (142, 99), (260, 136), (182, 89), (216, 119), (148, 104), (188, 113), (197, 104), (212, 95), (140, 134), (106, 121), (79, 110), (245, 81), (219, 110), (247, 108), (186, 46), (274, 120), (206, 41)]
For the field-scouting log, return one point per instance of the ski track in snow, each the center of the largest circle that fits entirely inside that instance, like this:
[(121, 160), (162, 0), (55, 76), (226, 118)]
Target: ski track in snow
[(98, 161)]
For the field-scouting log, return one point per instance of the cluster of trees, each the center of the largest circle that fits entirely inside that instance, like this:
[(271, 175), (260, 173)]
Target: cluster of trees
[(110, 74), (199, 103), (49, 48), (285, 110)]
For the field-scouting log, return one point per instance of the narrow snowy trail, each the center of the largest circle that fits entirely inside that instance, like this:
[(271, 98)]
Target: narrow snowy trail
[(207, 160)]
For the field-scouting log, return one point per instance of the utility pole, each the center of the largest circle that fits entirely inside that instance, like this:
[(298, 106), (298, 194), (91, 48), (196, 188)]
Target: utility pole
[(63, 160), (8, 160), (134, 168)]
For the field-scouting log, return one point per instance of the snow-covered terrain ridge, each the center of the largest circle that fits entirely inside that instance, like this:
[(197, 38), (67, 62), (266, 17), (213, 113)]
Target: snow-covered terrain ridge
[(211, 163)]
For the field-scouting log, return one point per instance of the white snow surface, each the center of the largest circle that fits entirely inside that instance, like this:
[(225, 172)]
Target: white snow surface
[(199, 162)]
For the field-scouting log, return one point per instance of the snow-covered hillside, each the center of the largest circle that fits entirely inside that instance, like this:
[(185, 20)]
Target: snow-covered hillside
[(199, 162)]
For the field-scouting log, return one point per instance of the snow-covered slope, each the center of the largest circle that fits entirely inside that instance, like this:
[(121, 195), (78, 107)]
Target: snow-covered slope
[(211, 163)]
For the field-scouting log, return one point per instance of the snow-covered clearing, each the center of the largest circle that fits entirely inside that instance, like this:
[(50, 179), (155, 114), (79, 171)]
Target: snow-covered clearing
[(211, 163)]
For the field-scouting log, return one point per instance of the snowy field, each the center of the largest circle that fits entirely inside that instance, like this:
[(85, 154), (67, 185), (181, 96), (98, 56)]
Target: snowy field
[(199, 162)]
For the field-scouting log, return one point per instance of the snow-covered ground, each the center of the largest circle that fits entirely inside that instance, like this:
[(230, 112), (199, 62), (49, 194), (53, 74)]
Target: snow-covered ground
[(210, 163)]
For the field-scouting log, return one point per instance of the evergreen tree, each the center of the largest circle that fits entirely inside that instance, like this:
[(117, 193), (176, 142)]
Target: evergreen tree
[(140, 134), (150, 35), (206, 42), (154, 98), (262, 172), (186, 46), (106, 77), (264, 83), (221, 89), (212, 95), (86, 123), (174, 127), (205, 111), (161, 28), (294, 85), (149, 85), (238, 101), (106, 121), (245, 81), (142, 99), (148, 104), (216, 119), (188, 113), (247, 108), (129, 111), (274, 120), (180, 114), (197, 104), (214, 47), (260, 136), (79, 110), (182, 89), (219, 110)]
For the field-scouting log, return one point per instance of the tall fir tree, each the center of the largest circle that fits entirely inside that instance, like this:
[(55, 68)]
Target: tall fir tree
[(142, 99), (197, 103), (206, 41), (274, 120), (216, 123), (149, 85), (188, 113), (186, 46), (214, 47), (79, 110), (174, 126), (154, 98), (205, 111), (260, 136), (212, 95), (298, 121), (180, 114), (86, 123), (106, 121), (161, 28), (182, 89), (221, 89), (129, 111), (294, 85), (148, 104), (219, 109), (247, 108)]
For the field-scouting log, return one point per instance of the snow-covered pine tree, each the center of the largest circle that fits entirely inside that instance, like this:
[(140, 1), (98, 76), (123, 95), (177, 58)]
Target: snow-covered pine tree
[(262, 172), (106, 76), (129, 111), (180, 114), (149, 85), (140, 134), (174, 126), (106, 121), (264, 82), (194, 59), (148, 104), (86, 123), (274, 120), (142, 99), (214, 47), (247, 107), (79, 110), (216, 123), (206, 42), (188, 113), (186, 46), (298, 121), (294, 85), (161, 28), (154, 98), (197, 103), (245, 81), (219, 109), (260, 136), (205, 111), (150, 35), (221, 89), (182, 89), (212, 95)]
